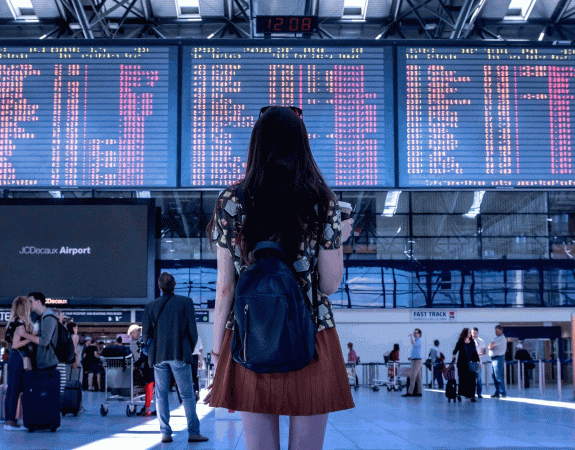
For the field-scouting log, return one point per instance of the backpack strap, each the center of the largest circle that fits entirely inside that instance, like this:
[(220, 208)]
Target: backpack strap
[(158, 319), (56, 331), (315, 284)]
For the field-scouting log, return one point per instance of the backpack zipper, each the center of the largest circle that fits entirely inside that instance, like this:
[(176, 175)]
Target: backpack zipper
[(246, 311)]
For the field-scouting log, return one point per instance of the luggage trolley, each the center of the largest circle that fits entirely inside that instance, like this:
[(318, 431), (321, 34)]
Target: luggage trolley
[(395, 382), (119, 384)]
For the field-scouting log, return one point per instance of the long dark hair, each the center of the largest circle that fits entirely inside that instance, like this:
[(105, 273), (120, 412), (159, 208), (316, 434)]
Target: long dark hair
[(283, 185), (464, 334)]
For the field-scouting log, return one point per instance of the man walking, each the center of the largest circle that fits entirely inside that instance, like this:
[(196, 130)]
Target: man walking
[(497, 349), (482, 352), (170, 321), (415, 387)]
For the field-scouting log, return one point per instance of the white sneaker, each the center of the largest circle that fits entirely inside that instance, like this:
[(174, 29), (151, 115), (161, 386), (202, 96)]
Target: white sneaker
[(13, 428)]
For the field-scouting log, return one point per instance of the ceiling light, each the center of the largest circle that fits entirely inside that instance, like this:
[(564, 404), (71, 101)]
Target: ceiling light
[(391, 202), (476, 205), (519, 10), (22, 9)]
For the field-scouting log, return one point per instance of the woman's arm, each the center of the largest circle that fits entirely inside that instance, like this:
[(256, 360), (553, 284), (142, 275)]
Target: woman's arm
[(225, 290), (18, 341), (330, 262)]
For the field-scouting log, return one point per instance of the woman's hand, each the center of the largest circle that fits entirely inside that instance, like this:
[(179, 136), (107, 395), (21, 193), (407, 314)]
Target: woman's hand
[(208, 397), (346, 229)]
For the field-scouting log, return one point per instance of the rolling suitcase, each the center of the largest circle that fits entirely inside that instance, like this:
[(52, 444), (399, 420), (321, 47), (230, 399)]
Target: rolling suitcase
[(72, 398), (451, 390), (41, 399)]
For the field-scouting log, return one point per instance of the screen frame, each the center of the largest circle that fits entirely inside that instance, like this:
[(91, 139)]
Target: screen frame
[(401, 171), (173, 97), (389, 126), (151, 250)]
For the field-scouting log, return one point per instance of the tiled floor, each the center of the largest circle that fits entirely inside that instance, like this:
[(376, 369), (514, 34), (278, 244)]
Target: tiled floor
[(381, 420)]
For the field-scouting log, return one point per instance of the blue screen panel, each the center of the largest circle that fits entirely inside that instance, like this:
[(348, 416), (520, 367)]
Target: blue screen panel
[(346, 94), (88, 116)]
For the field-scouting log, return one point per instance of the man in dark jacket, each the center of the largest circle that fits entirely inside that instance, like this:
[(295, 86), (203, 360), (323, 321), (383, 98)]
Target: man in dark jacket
[(170, 323)]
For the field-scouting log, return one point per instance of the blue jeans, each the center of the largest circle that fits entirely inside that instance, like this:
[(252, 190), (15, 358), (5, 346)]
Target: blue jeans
[(479, 380), (497, 363), (183, 375), (15, 384)]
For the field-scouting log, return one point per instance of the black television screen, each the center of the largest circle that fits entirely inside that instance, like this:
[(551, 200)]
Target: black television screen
[(88, 115), (78, 252), (345, 92), (485, 116)]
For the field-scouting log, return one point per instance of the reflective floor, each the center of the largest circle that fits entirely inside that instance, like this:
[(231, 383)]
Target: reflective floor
[(381, 420)]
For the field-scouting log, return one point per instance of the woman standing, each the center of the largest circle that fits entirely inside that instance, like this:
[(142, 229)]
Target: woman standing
[(284, 198), (351, 355), (19, 317), (467, 364)]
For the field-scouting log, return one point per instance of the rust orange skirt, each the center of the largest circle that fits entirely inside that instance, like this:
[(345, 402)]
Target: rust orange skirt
[(319, 388)]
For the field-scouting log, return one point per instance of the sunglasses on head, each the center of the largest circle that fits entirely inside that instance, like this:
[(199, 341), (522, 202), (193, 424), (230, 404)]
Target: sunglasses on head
[(295, 109)]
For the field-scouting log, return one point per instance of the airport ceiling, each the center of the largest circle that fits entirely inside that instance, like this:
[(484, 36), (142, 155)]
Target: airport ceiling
[(504, 20)]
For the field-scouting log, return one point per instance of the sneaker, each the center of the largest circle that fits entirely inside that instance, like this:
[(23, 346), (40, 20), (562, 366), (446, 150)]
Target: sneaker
[(197, 438), (166, 439), (407, 395), (11, 426), (495, 396), (479, 396)]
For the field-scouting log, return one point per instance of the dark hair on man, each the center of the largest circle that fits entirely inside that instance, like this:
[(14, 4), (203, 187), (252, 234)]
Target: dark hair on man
[(38, 296), (499, 327), (71, 326), (166, 282), (418, 330), (119, 339), (285, 195), (436, 343), (476, 329)]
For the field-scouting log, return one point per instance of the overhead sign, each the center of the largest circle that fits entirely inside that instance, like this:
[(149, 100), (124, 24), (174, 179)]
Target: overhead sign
[(82, 316), (425, 315), (201, 316)]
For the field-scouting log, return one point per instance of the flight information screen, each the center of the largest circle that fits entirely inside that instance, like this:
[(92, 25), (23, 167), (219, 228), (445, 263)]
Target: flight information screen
[(485, 117), (87, 116), (346, 94)]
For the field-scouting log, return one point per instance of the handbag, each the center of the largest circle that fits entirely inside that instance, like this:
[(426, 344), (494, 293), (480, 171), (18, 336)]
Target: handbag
[(473, 366), (26, 361)]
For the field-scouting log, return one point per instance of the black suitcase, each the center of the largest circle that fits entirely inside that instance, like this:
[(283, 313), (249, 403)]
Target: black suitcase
[(41, 399), (72, 398), (451, 390)]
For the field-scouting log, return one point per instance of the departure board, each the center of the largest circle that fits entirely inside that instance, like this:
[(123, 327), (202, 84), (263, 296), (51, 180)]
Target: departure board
[(346, 94), (88, 115), (486, 116)]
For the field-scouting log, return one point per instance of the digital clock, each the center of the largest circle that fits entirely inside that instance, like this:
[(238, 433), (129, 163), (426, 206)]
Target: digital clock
[(286, 24)]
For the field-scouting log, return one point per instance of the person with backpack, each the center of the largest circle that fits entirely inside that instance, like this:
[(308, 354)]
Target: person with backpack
[(283, 221), (45, 334)]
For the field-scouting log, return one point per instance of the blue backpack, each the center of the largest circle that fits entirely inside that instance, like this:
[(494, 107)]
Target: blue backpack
[(273, 329)]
